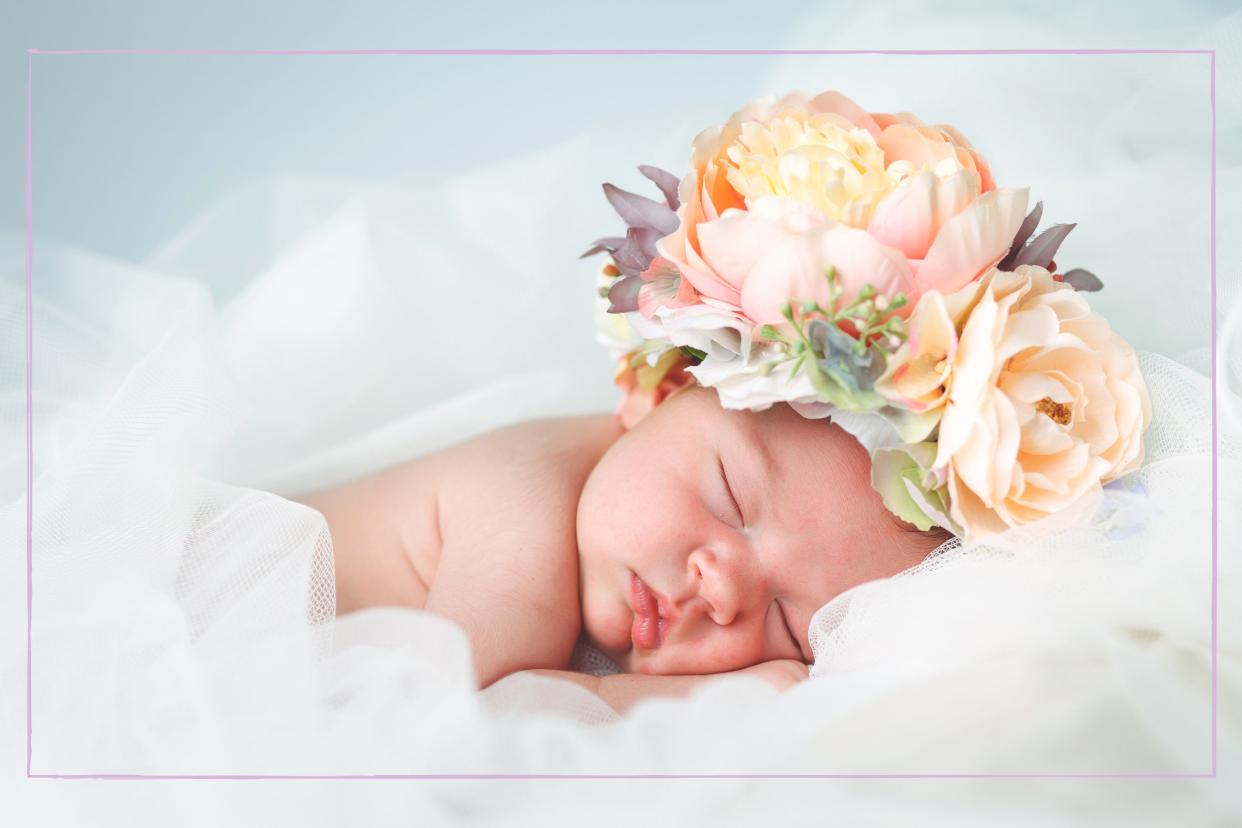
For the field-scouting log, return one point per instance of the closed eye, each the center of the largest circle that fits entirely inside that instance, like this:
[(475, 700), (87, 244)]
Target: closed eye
[(724, 477), (789, 629)]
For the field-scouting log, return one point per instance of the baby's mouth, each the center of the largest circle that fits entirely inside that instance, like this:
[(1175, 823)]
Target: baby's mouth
[(649, 625)]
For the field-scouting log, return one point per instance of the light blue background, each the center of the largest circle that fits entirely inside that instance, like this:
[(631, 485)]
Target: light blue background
[(128, 149)]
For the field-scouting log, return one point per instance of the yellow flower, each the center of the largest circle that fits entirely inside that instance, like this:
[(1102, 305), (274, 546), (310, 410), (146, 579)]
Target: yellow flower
[(818, 159)]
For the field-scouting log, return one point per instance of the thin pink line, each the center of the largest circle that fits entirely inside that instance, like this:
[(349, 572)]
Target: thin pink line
[(30, 461), (246, 777), (1215, 516), (619, 51), (29, 401)]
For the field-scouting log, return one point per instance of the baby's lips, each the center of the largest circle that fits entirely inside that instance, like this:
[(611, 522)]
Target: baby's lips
[(645, 632), (654, 614)]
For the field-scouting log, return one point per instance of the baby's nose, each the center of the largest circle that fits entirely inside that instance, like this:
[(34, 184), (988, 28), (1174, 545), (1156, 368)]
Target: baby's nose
[(719, 584)]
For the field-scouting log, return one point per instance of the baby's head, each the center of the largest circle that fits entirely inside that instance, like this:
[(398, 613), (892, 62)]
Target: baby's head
[(708, 538)]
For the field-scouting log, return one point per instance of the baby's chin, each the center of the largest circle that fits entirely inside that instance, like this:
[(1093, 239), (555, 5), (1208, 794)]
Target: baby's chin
[(661, 662), (608, 634), (655, 664), (607, 622), (633, 660), (621, 650)]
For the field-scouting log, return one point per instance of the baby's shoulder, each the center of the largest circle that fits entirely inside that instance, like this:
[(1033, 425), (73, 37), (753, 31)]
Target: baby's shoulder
[(508, 572), (536, 462)]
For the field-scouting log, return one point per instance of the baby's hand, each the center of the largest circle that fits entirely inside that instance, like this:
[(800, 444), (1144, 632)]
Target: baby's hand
[(782, 673)]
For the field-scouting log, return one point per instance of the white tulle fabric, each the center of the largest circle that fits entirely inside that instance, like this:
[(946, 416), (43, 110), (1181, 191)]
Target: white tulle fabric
[(310, 331), (184, 613)]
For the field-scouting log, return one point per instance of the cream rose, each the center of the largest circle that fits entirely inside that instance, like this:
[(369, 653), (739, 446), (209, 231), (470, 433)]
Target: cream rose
[(1042, 402)]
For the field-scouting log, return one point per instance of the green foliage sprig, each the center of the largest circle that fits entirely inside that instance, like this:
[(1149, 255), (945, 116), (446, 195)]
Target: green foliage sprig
[(838, 364), (866, 313)]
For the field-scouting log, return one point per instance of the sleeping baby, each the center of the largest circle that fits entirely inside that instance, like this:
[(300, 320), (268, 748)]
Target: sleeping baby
[(819, 268), (697, 543)]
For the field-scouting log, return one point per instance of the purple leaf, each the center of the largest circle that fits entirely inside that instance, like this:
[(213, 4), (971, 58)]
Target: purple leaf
[(1024, 232), (1083, 280), (623, 295), (665, 180), (631, 253), (1044, 246), (630, 260), (638, 211), (644, 238), (610, 243), (636, 251)]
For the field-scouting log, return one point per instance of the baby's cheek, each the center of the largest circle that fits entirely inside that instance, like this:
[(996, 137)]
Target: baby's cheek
[(722, 651), (605, 620)]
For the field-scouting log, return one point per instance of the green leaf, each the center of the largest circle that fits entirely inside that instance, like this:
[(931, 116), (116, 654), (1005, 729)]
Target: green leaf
[(691, 351), (898, 469)]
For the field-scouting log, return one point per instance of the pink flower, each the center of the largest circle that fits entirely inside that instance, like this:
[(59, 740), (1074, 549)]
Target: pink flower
[(906, 138), (777, 251), (926, 199)]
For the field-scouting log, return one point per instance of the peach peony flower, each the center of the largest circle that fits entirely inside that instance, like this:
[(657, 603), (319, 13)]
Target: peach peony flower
[(779, 250), (922, 193), (1042, 402), (905, 138), (916, 377)]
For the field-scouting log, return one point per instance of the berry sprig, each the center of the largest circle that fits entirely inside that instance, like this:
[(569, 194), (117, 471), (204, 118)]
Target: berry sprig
[(870, 314), (836, 361)]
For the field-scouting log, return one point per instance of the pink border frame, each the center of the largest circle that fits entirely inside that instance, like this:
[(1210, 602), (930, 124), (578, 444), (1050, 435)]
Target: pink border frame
[(30, 55)]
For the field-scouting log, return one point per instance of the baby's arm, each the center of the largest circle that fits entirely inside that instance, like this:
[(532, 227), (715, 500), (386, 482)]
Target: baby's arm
[(622, 691), (508, 571)]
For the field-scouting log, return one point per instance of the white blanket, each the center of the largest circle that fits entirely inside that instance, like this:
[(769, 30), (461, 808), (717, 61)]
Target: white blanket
[(307, 331)]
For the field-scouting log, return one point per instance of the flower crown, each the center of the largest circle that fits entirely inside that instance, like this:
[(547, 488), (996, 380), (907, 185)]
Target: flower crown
[(865, 266)]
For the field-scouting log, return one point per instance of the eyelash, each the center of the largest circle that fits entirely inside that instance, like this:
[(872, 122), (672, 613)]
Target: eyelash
[(785, 622), (729, 491)]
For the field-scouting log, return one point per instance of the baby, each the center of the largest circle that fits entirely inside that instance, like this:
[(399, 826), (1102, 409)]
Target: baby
[(699, 542)]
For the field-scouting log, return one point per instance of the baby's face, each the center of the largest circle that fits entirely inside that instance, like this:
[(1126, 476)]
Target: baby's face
[(708, 538)]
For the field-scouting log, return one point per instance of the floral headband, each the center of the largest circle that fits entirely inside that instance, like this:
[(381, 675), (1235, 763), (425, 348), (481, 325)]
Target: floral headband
[(866, 267)]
